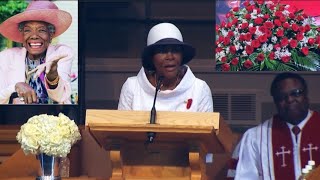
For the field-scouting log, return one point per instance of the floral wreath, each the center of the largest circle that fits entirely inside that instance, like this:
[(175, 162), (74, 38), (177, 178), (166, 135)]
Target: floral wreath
[(265, 36)]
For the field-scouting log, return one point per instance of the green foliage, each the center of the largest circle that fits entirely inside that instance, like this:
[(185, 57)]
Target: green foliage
[(305, 63), (9, 8)]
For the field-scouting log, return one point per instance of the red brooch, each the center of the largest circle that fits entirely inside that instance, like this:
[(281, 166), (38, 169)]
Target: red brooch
[(189, 103)]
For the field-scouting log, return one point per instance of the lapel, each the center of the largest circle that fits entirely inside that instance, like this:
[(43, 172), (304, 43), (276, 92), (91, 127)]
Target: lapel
[(310, 141), (282, 150), (17, 67), (49, 54)]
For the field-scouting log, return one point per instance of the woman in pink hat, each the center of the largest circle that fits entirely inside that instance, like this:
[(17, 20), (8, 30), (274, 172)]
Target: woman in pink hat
[(38, 72), (164, 62)]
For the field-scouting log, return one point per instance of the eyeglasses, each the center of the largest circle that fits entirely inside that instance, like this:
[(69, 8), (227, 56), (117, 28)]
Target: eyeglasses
[(293, 93)]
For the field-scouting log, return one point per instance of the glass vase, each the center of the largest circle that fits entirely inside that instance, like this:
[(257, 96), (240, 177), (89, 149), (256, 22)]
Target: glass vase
[(49, 167)]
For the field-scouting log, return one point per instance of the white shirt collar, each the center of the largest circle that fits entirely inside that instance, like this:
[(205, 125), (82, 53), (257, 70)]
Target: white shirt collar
[(303, 122)]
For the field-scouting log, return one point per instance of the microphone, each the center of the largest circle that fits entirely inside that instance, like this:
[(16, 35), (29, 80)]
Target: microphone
[(151, 135), (153, 109)]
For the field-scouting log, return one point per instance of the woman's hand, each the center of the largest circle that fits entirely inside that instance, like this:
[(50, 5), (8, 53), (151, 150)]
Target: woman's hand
[(50, 68), (17, 101), (26, 93)]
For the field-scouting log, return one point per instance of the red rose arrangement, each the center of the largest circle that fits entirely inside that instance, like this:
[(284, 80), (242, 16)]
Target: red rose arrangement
[(265, 36)]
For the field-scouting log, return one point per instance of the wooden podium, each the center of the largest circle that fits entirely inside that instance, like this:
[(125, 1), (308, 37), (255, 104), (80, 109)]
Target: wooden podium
[(187, 145), (314, 174)]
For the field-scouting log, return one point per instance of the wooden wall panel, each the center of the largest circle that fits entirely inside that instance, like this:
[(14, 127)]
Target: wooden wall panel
[(8, 142)]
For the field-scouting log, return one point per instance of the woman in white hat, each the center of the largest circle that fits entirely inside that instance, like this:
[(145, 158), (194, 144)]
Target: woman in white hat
[(164, 62), (37, 73)]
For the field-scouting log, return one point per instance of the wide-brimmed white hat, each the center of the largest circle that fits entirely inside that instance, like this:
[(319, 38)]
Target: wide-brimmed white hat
[(165, 34), (45, 11)]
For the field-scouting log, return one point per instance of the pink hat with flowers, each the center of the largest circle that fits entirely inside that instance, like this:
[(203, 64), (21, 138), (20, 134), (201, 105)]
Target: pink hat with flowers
[(45, 11)]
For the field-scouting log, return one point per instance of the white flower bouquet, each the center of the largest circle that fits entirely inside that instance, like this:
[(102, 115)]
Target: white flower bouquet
[(52, 135)]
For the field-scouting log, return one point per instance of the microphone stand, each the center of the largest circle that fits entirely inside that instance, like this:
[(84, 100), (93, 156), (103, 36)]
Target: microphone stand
[(152, 135)]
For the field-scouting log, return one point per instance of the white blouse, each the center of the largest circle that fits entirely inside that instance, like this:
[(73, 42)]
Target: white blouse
[(137, 93)]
